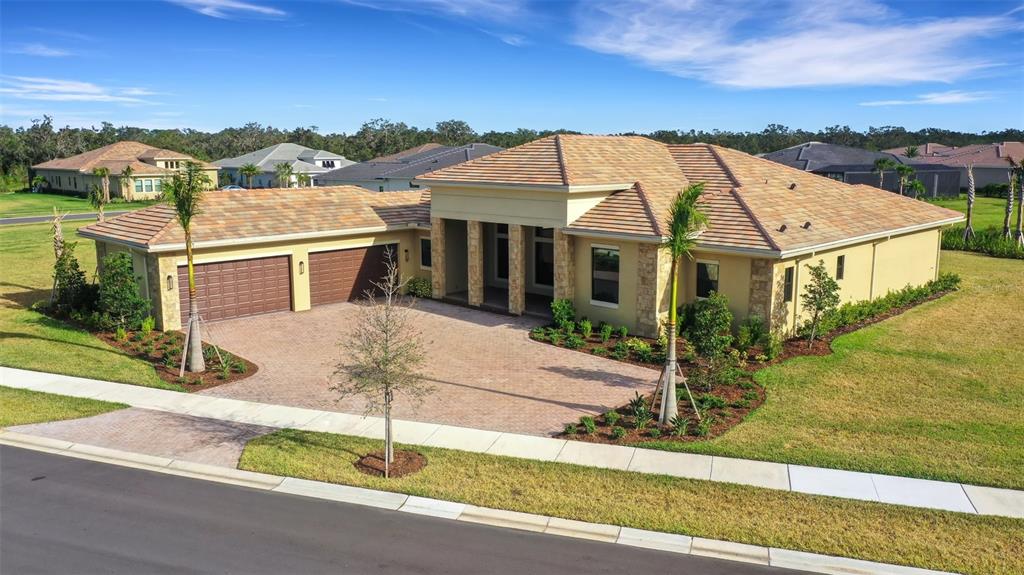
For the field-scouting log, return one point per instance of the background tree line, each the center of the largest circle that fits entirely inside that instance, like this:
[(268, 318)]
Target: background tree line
[(24, 146)]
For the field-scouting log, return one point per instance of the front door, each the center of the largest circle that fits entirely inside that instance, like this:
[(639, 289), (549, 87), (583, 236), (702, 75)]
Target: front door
[(544, 257)]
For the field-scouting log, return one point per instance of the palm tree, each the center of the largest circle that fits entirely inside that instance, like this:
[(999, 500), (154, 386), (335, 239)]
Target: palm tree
[(883, 165), (1013, 173), (904, 171), (303, 180), (185, 193), (283, 172), (249, 171), (969, 230), (911, 152), (38, 182), (97, 201), (104, 174), (684, 221), (126, 183), (917, 187)]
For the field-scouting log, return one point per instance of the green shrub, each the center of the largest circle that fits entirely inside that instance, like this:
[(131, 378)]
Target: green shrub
[(224, 370), (712, 322), (772, 346), (119, 293), (120, 334), (708, 401), (539, 334), (654, 433), (240, 366), (704, 426), (623, 331), (680, 425), (589, 426), (606, 332), (562, 311), (148, 323), (586, 328), (618, 433), (69, 280), (640, 422), (751, 332), (640, 349), (568, 327), (574, 341), (419, 287), (620, 351), (137, 336), (570, 429), (599, 351), (612, 417), (556, 338), (168, 361)]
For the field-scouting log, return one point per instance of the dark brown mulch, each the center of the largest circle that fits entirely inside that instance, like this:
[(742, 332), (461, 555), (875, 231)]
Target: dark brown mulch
[(161, 344), (405, 462)]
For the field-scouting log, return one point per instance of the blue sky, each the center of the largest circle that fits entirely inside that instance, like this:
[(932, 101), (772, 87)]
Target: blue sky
[(593, 65)]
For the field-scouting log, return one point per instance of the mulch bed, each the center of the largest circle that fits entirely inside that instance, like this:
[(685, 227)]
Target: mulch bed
[(158, 348), (405, 462)]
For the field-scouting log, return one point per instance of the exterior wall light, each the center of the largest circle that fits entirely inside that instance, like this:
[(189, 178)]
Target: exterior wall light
[(170, 282), (302, 268), (406, 254)]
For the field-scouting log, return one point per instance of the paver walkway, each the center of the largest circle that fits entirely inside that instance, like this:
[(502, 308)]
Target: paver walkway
[(485, 370), (846, 484)]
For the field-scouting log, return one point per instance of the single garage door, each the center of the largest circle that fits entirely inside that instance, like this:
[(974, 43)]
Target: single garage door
[(345, 275), (238, 288)]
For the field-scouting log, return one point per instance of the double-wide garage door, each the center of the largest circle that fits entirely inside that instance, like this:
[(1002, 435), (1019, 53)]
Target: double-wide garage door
[(238, 288), (345, 275)]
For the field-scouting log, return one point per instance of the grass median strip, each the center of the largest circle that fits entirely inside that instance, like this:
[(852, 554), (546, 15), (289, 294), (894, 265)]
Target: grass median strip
[(864, 530), (22, 407)]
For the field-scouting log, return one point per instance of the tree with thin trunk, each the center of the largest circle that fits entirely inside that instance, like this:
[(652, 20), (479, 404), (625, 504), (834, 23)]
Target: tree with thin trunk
[(821, 296), (38, 183), (383, 353), (883, 165), (97, 201), (1019, 235), (303, 180), (283, 172), (904, 172), (126, 183), (249, 171), (185, 194), (103, 174), (917, 188), (1012, 174), (684, 222), (57, 226), (969, 230)]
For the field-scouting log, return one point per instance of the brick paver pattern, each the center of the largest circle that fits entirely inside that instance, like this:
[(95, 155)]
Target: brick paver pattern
[(486, 372), (170, 435)]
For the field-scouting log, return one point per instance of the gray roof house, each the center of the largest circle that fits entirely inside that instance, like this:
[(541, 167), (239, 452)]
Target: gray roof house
[(857, 165), (396, 172), (302, 160)]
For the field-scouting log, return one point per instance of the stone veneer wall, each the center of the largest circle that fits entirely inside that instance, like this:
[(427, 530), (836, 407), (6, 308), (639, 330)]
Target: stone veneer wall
[(475, 264), (565, 265), (165, 301), (760, 302), (516, 270), (653, 298), (437, 263)]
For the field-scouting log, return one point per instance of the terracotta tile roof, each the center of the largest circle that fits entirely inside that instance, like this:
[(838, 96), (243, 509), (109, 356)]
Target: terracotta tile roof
[(118, 154), (623, 212), (981, 155), (536, 162), (266, 213)]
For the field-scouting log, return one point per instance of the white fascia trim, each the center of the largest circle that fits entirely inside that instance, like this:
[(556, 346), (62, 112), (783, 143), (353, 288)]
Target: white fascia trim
[(726, 250), (868, 237), (108, 240), (613, 236), (527, 187)]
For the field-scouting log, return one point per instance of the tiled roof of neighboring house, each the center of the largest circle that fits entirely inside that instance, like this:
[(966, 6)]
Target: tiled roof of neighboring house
[(923, 149), (411, 151), (981, 155), (299, 157), (116, 156), (408, 164), (819, 157), (270, 213)]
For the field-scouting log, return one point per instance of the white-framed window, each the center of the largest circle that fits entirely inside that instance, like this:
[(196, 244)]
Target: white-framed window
[(147, 185), (787, 284), (707, 277), (840, 267), (604, 275), (158, 185), (425, 254), (138, 186)]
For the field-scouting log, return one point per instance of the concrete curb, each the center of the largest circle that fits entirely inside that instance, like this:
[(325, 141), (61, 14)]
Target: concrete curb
[(670, 542)]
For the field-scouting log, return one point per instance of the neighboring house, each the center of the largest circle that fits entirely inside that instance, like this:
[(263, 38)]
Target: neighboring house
[(989, 160), (397, 171), (576, 217), (150, 166), (302, 160), (856, 166)]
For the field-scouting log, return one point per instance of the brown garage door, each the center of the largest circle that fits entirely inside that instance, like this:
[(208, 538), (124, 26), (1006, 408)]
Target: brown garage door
[(344, 275), (238, 288)]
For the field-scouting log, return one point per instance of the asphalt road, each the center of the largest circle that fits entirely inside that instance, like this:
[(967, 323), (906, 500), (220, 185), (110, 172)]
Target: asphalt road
[(66, 515), (67, 218)]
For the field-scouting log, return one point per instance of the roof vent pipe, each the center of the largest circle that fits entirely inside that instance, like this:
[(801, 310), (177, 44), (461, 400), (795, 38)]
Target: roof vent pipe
[(782, 228), (806, 226), (792, 186)]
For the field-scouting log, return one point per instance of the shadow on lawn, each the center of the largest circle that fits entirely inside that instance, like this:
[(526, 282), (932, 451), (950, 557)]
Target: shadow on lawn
[(24, 298)]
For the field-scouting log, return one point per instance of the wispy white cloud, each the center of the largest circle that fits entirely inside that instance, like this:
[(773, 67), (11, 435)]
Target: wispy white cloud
[(56, 90), (38, 49), (766, 45), (227, 9), (488, 10), (60, 33), (511, 39), (934, 98)]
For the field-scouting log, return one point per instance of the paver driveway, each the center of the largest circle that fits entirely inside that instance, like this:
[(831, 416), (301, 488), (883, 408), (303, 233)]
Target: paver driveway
[(486, 371)]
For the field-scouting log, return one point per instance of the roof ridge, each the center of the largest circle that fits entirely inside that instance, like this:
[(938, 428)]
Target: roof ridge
[(561, 159), (642, 194), (725, 167), (735, 192)]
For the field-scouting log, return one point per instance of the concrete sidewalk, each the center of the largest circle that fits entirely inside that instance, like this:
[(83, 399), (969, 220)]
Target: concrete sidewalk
[(912, 492)]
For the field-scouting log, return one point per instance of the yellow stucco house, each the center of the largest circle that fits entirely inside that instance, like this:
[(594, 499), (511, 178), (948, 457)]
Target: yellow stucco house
[(578, 217), (149, 167)]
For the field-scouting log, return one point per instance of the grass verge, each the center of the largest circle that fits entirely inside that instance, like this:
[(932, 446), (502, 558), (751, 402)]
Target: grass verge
[(865, 530), (23, 204), (988, 212), (34, 341), (22, 407), (936, 392)]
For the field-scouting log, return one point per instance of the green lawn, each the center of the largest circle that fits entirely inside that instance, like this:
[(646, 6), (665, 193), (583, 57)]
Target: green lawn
[(21, 407), (937, 392), (873, 531), (32, 340), (988, 212), (19, 204)]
